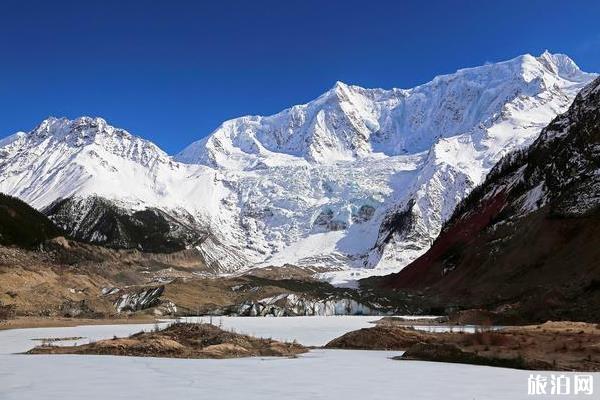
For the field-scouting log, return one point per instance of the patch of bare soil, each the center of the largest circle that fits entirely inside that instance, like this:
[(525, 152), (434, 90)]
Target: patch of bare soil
[(288, 271), (56, 322), (182, 340), (561, 346)]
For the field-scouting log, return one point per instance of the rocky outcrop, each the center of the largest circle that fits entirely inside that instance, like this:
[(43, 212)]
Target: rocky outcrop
[(139, 300)]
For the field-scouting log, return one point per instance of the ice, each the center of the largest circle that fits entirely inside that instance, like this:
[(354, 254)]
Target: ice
[(319, 374), (457, 328)]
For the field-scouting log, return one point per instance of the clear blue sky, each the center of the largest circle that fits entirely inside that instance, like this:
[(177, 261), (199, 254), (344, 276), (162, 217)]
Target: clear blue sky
[(172, 71)]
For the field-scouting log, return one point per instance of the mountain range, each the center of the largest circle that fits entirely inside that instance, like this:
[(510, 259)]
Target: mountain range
[(527, 239), (361, 178)]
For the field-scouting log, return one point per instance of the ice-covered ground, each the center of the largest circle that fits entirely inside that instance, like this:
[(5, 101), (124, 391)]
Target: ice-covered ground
[(453, 328), (320, 374)]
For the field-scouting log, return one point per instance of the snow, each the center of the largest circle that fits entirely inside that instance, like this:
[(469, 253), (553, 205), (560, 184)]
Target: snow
[(288, 188), (319, 374), (533, 199), (422, 317), (455, 328)]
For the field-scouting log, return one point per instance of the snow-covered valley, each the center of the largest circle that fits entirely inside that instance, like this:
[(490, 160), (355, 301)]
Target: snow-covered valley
[(358, 178)]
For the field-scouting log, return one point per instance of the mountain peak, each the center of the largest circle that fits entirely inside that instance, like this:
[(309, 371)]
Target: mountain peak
[(537, 208), (556, 58), (82, 137), (350, 122), (82, 126), (85, 130), (562, 65), (339, 85), (339, 91)]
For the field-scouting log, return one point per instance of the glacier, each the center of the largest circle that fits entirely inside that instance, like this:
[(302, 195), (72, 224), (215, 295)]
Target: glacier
[(358, 180)]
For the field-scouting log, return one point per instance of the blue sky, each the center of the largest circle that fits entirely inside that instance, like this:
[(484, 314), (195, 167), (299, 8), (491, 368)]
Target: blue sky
[(172, 71)]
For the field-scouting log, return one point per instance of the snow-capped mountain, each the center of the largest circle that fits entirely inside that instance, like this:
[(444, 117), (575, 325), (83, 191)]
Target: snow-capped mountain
[(106, 186), (319, 183), (349, 122), (386, 150), (530, 232)]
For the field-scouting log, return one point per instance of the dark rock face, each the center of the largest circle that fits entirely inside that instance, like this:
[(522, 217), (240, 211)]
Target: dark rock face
[(100, 221), (529, 236), (364, 214), (326, 221), (22, 225), (398, 223)]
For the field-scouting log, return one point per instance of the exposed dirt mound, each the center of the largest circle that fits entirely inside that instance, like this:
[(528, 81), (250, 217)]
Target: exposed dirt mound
[(380, 338), (182, 340), (567, 346)]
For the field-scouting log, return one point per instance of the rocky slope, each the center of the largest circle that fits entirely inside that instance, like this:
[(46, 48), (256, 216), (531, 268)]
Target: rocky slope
[(100, 221), (318, 184), (527, 240), (65, 278)]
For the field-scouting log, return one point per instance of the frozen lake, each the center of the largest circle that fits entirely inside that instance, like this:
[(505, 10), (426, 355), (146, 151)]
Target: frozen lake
[(320, 374), (309, 331)]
